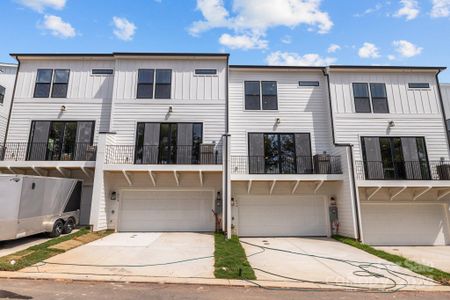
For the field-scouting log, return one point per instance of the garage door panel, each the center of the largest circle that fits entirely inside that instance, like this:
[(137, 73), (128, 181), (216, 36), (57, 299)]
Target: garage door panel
[(166, 211), (282, 216), (405, 224)]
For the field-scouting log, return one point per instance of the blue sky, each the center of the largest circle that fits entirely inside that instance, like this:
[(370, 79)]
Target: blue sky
[(296, 32)]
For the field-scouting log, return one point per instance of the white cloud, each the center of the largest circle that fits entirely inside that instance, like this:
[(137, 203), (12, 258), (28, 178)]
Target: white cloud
[(255, 17), (370, 10), (409, 10), (407, 49), (441, 9), (244, 42), (279, 58), (287, 39), (369, 50), (58, 27), (391, 57), (41, 5), (124, 29), (333, 48)]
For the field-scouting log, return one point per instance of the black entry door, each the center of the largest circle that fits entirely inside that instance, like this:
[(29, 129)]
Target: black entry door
[(168, 143)]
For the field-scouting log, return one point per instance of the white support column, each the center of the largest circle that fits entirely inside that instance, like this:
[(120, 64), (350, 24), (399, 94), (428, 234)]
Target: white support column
[(98, 204), (228, 172)]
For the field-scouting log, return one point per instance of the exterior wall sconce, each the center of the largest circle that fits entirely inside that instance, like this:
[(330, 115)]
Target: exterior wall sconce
[(391, 124), (170, 110), (277, 121), (63, 108)]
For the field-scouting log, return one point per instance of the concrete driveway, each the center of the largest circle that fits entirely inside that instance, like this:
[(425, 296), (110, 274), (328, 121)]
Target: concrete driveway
[(138, 254), (325, 260), (10, 247), (434, 256)]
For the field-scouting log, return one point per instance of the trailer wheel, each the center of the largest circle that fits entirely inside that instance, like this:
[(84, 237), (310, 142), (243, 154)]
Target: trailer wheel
[(68, 227), (58, 228)]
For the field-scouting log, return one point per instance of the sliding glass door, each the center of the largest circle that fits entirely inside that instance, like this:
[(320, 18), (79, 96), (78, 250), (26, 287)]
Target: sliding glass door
[(395, 158)]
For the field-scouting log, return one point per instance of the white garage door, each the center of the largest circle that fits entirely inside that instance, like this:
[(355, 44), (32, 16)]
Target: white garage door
[(166, 211), (405, 224), (282, 216)]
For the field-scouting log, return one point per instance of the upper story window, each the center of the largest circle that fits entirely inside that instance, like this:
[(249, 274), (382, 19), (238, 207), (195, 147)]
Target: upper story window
[(154, 84), (102, 72), (205, 71), (2, 94), (44, 83), (261, 95), (308, 83), (419, 85), (60, 83), (367, 99)]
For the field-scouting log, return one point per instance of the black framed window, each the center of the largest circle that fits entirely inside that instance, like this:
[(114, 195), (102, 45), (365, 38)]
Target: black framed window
[(205, 71), (379, 98), (2, 94), (419, 85), (60, 83), (145, 84), (362, 98), (43, 83), (261, 95), (269, 95), (163, 84), (252, 95), (102, 72), (308, 83)]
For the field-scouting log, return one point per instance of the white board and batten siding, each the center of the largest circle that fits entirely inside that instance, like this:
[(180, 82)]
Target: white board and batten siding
[(300, 109), (7, 80), (194, 98), (415, 112), (89, 97), (445, 89)]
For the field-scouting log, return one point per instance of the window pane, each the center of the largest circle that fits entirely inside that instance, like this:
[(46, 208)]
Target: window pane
[(205, 72), (252, 88), (145, 76), (42, 90), (2, 93), (269, 103), (287, 154), (378, 90), (252, 103), (145, 91), (164, 76), (380, 105), (162, 91), (269, 88), (362, 105), (419, 85), (361, 90), (102, 71), (59, 90), (271, 154), (61, 76), (308, 83), (44, 76)]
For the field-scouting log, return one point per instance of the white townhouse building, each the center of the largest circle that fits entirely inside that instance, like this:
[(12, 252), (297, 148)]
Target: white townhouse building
[(7, 79), (185, 142), (393, 117)]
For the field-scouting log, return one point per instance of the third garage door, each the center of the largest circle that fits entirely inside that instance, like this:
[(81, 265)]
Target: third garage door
[(404, 224), (282, 215), (166, 211)]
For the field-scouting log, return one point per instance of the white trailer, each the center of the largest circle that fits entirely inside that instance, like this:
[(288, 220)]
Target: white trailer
[(32, 204)]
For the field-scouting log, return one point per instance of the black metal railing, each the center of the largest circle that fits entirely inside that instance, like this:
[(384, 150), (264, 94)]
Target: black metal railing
[(319, 164), (403, 170), (202, 154), (48, 152)]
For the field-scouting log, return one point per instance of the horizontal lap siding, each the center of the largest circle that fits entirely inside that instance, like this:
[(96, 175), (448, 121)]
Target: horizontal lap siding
[(300, 109), (414, 112), (88, 97), (193, 98)]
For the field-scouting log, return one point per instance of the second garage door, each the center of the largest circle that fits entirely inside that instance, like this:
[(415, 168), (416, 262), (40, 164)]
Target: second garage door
[(404, 224), (166, 211), (282, 216)]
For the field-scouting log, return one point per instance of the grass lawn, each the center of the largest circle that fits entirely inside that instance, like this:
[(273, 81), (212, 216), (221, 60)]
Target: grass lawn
[(41, 252), (230, 259), (427, 271)]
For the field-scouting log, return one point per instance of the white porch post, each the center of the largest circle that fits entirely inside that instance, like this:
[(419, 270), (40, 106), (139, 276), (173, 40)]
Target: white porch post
[(228, 183)]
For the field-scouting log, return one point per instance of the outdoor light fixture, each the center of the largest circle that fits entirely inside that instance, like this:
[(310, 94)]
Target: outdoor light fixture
[(391, 124), (63, 108), (170, 110), (113, 196), (277, 121)]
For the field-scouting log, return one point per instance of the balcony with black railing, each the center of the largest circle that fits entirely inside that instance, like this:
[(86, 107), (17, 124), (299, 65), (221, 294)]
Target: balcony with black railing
[(48, 152), (318, 164), (201, 154), (403, 170)]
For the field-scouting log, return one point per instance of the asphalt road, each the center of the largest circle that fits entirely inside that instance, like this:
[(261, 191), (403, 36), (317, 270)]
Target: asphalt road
[(37, 289)]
